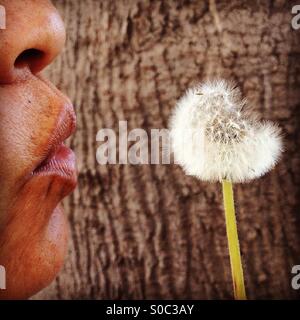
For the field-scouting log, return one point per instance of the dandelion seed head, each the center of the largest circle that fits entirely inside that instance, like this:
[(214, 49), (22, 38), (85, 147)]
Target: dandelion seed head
[(214, 138)]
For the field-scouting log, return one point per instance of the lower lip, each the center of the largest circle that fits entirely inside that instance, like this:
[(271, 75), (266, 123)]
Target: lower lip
[(62, 164)]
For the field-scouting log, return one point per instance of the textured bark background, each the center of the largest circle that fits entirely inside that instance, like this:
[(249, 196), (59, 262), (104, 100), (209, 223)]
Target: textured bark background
[(149, 231)]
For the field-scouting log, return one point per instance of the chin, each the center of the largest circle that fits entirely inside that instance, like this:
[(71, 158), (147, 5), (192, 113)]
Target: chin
[(33, 248), (32, 262), (33, 239)]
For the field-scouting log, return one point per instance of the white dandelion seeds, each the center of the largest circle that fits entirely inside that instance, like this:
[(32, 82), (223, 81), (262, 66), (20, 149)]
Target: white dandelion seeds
[(214, 138)]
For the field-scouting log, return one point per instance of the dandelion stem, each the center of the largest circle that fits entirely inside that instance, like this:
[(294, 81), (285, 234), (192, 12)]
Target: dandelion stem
[(233, 242)]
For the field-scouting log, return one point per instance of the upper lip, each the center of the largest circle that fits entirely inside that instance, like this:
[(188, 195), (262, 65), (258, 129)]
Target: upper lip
[(65, 127)]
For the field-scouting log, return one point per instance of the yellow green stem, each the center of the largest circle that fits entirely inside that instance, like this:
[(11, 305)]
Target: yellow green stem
[(233, 242)]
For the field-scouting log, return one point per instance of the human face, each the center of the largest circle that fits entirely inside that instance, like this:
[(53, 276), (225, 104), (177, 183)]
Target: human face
[(36, 170)]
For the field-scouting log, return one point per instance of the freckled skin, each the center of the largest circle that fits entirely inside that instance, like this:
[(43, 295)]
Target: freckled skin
[(33, 228)]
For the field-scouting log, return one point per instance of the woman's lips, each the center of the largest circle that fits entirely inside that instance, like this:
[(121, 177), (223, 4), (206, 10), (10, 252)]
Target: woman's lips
[(60, 162)]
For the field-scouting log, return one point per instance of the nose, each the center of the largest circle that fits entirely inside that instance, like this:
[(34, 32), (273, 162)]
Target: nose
[(33, 37)]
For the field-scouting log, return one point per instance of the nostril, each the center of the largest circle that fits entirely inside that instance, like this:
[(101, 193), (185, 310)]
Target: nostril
[(29, 58)]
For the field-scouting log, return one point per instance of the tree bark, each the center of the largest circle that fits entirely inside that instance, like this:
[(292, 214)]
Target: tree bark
[(149, 231)]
